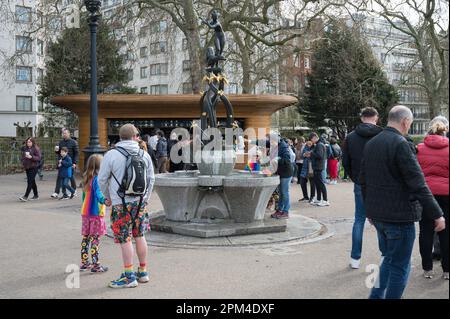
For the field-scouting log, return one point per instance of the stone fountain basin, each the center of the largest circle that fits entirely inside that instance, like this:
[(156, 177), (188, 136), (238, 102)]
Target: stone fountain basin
[(246, 195)]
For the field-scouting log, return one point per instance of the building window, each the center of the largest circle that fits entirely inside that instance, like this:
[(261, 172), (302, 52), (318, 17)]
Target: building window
[(24, 103), (307, 62), (143, 52), (187, 88), (130, 56), (23, 14), (161, 89), (143, 72), (40, 75), (23, 44), (297, 61), (130, 75), (159, 26), (159, 69), (40, 105), (55, 23), (143, 32), (40, 47), (186, 65), (158, 47), (130, 35), (144, 90), (24, 74), (185, 44), (296, 84)]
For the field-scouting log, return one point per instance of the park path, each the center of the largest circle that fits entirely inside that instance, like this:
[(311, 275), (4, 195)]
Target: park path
[(38, 240)]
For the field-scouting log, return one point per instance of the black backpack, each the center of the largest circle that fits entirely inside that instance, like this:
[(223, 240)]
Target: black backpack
[(134, 181)]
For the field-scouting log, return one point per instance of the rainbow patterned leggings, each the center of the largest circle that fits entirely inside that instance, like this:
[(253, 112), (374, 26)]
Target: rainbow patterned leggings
[(89, 245)]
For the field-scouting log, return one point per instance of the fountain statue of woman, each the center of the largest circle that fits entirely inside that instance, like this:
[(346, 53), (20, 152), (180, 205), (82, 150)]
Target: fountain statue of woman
[(219, 41)]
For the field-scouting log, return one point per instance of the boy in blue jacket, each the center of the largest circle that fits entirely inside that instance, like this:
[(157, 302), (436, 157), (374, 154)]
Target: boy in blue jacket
[(65, 173)]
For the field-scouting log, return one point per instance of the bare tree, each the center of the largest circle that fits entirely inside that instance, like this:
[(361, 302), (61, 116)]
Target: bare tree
[(426, 23)]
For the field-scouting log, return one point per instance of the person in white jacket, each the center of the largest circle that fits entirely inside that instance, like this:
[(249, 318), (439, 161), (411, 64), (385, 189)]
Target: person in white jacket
[(127, 222)]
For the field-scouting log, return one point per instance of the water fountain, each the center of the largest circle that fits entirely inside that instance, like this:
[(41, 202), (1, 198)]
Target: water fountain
[(216, 200)]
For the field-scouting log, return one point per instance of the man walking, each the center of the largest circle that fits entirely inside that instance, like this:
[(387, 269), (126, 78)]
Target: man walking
[(395, 196), (351, 160), (128, 211), (72, 147)]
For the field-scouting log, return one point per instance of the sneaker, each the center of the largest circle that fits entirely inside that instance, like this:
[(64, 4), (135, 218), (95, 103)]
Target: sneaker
[(125, 281), (276, 214), (64, 197), (54, 195), (445, 275), (72, 196), (23, 199), (99, 269), (314, 202), (355, 263), (142, 276), (75, 193), (428, 274), (283, 216), (304, 199), (323, 203), (34, 198), (85, 267)]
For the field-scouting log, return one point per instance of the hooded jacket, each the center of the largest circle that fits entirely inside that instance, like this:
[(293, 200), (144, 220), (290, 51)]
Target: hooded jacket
[(433, 156), (114, 163), (353, 147)]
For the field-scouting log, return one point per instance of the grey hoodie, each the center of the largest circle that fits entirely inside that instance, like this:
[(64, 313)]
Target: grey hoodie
[(114, 163)]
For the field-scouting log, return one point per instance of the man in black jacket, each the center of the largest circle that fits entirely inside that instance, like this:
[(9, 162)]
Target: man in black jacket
[(72, 146), (395, 195), (351, 160)]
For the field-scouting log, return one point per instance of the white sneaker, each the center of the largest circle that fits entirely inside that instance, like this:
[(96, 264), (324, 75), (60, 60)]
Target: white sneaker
[(323, 203), (315, 202), (54, 195), (355, 264)]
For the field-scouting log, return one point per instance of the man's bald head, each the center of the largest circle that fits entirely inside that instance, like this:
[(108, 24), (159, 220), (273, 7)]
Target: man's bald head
[(399, 113), (400, 117)]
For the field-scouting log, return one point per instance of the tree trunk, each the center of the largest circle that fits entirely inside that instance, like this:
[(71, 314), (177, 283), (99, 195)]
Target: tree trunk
[(434, 104), (247, 86), (194, 46)]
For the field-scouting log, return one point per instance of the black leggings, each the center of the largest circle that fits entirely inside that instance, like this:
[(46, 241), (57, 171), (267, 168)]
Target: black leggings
[(299, 171), (312, 187), (31, 182), (427, 234), (320, 186)]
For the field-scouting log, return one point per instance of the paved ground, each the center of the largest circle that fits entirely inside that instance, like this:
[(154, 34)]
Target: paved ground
[(38, 240)]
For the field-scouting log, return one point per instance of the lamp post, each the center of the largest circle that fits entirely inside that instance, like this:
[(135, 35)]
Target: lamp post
[(94, 147)]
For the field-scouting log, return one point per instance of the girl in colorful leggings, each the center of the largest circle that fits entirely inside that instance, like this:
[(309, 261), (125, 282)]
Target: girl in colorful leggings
[(93, 213)]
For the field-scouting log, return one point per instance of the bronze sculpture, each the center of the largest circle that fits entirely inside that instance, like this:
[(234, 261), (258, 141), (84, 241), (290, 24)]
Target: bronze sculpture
[(216, 80)]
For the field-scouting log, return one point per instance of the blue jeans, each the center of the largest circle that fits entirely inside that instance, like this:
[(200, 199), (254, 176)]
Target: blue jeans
[(65, 181), (396, 242), (284, 201), (358, 225)]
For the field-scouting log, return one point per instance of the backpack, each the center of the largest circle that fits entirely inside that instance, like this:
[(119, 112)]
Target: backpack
[(337, 153), (330, 154), (134, 181)]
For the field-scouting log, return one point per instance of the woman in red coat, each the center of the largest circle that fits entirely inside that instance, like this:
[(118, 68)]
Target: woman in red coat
[(31, 157), (433, 156)]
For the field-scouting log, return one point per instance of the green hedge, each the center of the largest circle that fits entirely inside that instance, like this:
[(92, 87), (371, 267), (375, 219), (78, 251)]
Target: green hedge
[(10, 155)]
